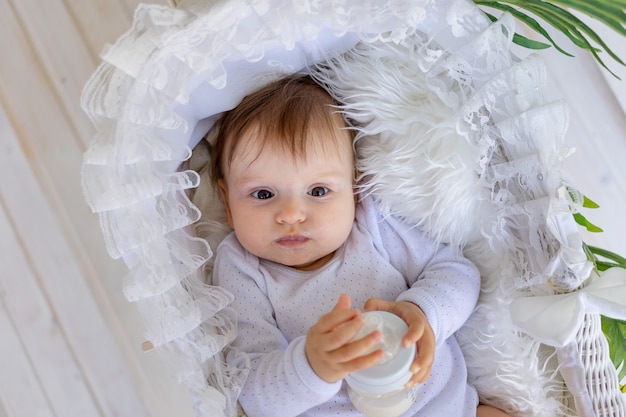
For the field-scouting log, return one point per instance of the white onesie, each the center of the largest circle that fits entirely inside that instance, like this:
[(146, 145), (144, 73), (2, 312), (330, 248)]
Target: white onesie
[(384, 258)]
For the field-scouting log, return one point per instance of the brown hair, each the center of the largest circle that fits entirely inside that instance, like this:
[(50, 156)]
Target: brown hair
[(278, 115)]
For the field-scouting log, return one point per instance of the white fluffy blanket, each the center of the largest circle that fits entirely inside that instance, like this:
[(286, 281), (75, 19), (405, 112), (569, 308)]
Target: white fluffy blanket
[(450, 167)]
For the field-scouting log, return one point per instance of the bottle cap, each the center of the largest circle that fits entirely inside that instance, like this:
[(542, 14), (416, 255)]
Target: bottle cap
[(393, 371)]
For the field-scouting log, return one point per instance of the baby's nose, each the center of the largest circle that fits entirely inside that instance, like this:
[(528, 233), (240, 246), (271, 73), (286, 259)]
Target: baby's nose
[(291, 212)]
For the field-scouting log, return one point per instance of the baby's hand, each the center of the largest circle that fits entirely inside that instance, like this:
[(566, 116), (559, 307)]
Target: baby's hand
[(420, 333), (328, 346)]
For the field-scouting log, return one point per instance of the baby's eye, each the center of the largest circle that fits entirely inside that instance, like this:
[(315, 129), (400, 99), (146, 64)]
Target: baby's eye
[(318, 191), (262, 194)]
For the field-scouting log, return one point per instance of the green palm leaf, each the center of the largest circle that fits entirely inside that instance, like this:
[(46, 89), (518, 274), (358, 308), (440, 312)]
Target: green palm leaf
[(613, 329), (611, 13), (615, 332)]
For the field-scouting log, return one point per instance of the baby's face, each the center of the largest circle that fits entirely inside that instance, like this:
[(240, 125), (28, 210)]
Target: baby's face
[(296, 212)]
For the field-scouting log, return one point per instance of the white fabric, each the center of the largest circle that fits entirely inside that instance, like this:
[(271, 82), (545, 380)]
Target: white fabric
[(486, 173), (480, 168), (381, 258), (574, 373), (555, 319)]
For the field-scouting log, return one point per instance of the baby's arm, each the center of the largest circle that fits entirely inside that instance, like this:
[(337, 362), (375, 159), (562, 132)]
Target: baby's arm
[(443, 285), (280, 381), (438, 302)]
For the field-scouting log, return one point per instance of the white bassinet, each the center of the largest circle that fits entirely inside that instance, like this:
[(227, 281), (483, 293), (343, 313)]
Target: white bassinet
[(454, 136)]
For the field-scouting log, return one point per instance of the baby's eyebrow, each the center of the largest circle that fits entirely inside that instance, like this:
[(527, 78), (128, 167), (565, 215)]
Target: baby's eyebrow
[(246, 182), (331, 173)]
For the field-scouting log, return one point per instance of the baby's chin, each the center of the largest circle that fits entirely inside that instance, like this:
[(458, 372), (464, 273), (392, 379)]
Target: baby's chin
[(315, 264), (301, 263)]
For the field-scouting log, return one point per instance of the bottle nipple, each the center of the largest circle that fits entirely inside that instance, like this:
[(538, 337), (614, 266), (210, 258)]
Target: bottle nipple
[(390, 344)]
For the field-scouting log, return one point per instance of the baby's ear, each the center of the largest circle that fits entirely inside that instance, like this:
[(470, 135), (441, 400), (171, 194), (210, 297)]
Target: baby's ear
[(223, 191)]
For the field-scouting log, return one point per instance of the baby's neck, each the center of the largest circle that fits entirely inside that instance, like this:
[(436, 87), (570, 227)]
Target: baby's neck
[(312, 266)]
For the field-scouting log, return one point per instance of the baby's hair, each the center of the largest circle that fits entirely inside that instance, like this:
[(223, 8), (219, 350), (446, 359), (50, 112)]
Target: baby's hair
[(279, 115)]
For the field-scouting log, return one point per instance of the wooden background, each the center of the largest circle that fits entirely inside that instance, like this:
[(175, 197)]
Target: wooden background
[(69, 341)]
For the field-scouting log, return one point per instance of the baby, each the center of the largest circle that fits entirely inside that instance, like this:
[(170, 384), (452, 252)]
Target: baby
[(306, 249)]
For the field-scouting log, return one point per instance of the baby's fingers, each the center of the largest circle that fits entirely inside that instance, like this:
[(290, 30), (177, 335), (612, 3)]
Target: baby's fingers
[(336, 328), (344, 333), (344, 302), (357, 355), (339, 316), (336, 318), (423, 363), (359, 348), (364, 361)]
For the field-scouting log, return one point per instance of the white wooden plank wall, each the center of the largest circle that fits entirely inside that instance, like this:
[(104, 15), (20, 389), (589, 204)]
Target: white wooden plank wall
[(597, 132), (69, 341)]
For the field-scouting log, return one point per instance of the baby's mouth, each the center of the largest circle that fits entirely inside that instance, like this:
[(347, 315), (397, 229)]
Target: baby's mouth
[(292, 240)]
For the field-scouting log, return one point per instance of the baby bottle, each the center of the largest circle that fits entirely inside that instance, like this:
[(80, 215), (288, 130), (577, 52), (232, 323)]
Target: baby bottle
[(379, 391)]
